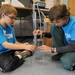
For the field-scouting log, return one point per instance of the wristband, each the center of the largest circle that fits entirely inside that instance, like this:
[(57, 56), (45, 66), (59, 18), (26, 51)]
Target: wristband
[(53, 50)]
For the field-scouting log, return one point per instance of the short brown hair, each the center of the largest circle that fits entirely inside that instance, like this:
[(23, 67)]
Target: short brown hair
[(58, 12), (7, 9)]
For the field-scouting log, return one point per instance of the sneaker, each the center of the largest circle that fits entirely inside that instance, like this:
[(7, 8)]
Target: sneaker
[(23, 54)]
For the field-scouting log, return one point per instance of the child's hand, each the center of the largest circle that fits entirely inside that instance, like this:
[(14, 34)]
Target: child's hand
[(30, 47), (45, 48), (37, 32)]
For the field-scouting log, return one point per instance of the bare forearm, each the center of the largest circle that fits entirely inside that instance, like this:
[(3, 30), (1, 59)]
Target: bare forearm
[(15, 46)]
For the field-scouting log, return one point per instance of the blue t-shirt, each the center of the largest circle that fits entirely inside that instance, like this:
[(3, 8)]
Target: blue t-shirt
[(6, 34), (69, 30)]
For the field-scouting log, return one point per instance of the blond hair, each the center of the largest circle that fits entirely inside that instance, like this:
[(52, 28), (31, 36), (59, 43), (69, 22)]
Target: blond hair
[(7, 9)]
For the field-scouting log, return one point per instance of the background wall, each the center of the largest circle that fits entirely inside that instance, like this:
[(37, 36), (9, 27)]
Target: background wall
[(71, 5)]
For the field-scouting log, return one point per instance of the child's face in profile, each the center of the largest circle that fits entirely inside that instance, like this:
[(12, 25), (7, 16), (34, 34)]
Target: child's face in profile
[(9, 19), (60, 22)]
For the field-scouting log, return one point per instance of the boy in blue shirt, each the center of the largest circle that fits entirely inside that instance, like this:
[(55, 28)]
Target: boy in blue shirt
[(63, 36), (10, 50)]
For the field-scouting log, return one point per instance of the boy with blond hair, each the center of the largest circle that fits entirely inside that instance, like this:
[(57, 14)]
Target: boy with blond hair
[(9, 58)]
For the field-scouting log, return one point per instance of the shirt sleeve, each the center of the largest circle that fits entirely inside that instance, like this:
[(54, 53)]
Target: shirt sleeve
[(68, 48), (2, 37), (47, 34)]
